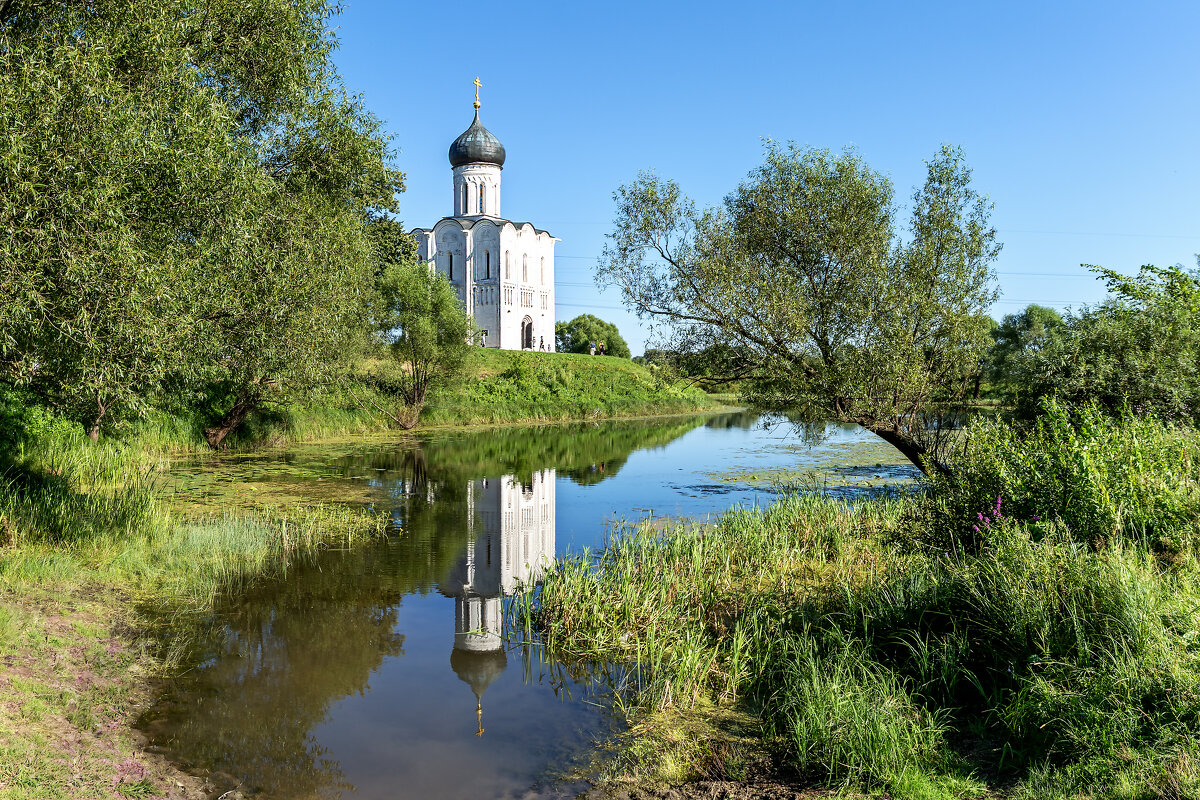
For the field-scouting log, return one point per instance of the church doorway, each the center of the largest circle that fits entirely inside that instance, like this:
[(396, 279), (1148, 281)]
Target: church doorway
[(527, 334)]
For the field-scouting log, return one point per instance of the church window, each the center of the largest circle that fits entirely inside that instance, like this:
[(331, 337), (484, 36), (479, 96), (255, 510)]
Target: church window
[(487, 264), (542, 270), (451, 264), (463, 204), (525, 267), (481, 198), (507, 266)]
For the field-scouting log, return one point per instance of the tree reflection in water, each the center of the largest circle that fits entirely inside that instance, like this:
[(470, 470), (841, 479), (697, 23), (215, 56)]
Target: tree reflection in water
[(475, 515)]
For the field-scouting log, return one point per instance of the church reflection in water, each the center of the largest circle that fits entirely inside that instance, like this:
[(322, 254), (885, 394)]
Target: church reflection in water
[(510, 541)]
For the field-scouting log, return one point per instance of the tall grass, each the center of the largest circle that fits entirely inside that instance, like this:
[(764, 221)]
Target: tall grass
[(1045, 641), (1104, 479), (75, 511)]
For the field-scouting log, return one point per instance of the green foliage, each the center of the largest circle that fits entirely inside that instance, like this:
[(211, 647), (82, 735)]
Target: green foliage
[(805, 278), (1106, 480), (390, 243), (1018, 339), (429, 334), (184, 218), (1140, 348), (585, 331)]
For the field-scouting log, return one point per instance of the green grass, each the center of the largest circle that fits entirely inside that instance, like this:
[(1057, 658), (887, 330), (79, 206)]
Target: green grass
[(88, 555), (495, 387), (543, 387), (890, 646)]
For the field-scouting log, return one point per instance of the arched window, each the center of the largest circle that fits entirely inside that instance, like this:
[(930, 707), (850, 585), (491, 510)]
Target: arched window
[(450, 256), (487, 265), (481, 191), (463, 204), (525, 267), (542, 270), (507, 266)]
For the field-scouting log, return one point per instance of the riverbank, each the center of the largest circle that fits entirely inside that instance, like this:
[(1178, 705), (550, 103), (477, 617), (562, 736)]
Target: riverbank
[(74, 682), (88, 558), (497, 387), (1028, 631)]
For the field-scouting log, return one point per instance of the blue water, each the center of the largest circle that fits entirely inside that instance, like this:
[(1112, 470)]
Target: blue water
[(385, 671)]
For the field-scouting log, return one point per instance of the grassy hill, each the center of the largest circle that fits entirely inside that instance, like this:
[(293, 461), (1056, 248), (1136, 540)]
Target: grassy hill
[(508, 387), (497, 387)]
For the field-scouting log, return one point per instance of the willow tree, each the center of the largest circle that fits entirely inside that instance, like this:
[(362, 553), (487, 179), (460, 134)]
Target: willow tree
[(179, 181), (804, 275)]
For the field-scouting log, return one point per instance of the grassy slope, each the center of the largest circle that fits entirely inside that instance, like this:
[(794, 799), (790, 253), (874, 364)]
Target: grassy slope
[(496, 387), (514, 387)]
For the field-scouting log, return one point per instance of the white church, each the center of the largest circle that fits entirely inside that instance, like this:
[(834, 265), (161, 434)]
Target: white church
[(503, 270)]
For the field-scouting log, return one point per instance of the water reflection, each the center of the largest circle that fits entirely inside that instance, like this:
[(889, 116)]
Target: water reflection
[(510, 541), (384, 669), (350, 672)]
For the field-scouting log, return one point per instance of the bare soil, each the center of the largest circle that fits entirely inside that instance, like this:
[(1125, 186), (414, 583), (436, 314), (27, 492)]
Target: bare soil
[(711, 790)]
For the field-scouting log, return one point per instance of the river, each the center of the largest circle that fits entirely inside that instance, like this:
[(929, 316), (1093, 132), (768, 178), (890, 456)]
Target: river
[(386, 670)]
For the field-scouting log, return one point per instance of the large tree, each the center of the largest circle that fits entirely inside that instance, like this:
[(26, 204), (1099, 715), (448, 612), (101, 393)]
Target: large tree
[(178, 181), (1018, 338), (578, 335), (805, 277)]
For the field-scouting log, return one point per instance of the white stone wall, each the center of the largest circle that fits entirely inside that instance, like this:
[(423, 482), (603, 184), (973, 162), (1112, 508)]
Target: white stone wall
[(477, 190), (527, 286), (520, 262)]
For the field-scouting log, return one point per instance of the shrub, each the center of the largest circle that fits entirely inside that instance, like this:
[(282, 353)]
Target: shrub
[(1103, 478)]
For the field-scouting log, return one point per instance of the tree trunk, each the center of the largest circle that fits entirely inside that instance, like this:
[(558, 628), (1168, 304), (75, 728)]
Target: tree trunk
[(217, 433), (911, 449), (94, 428)]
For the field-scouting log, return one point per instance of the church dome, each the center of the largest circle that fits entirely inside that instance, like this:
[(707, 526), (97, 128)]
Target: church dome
[(476, 145)]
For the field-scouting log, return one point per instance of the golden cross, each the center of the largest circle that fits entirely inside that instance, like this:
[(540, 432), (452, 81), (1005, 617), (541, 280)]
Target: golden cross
[(477, 85)]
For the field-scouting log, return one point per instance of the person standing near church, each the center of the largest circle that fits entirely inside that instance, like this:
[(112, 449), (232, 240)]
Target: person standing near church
[(591, 348)]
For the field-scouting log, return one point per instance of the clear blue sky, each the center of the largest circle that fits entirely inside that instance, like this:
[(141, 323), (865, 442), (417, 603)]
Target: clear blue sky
[(1080, 120)]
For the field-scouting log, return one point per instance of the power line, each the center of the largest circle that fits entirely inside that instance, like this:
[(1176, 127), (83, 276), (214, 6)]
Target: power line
[(998, 272), (1104, 233), (1125, 234)]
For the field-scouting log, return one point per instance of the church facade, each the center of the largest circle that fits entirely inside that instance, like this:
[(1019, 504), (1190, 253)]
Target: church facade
[(502, 270)]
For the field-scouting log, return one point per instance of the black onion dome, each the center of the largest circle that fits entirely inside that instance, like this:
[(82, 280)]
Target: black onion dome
[(476, 144)]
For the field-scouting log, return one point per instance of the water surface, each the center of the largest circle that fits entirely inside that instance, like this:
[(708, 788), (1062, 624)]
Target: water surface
[(385, 670)]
